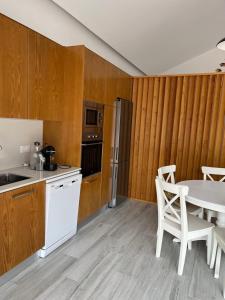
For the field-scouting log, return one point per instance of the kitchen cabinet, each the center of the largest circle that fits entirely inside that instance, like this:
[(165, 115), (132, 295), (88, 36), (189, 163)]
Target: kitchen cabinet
[(104, 82), (90, 196), (22, 224), (95, 77), (46, 78), (13, 69)]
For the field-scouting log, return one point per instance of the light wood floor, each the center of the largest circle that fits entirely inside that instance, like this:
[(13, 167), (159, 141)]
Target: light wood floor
[(113, 257)]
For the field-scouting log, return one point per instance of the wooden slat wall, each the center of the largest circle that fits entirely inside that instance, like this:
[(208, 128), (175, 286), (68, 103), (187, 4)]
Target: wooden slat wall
[(176, 120)]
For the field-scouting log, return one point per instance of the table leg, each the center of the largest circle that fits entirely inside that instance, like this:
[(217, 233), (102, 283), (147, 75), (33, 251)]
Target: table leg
[(220, 219)]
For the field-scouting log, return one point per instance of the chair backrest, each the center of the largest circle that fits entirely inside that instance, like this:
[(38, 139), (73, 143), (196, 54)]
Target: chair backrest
[(209, 171), (166, 208), (167, 173)]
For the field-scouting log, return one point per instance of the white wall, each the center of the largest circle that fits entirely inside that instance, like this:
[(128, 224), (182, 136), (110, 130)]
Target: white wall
[(45, 17), (204, 63), (13, 134)]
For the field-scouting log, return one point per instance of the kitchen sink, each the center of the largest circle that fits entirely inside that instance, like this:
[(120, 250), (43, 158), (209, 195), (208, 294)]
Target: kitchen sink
[(8, 178)]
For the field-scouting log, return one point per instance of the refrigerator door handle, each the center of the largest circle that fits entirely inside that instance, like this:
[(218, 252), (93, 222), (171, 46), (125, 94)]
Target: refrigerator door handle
[(114, 186), (116, 153), (116, 174)]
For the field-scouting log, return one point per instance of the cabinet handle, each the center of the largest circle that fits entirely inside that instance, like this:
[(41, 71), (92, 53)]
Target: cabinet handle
[(23, 194)]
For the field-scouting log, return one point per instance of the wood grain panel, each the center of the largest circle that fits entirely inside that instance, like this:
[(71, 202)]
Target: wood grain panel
[(26, 209), (22, 224), (13, 69), (4, 231), (46, 78), (104, 82), (90, 196), (176, 120)]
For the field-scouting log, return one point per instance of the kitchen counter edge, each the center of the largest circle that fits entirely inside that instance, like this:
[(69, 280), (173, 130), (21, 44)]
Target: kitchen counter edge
[(34, 176)]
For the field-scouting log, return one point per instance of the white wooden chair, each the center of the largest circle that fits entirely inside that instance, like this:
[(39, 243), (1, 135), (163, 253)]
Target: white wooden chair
[(181, 225), (167, 174), (218, 246), (208, 173)]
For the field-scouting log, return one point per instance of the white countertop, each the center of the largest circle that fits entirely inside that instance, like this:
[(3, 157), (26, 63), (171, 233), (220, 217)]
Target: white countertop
[(34, 176)]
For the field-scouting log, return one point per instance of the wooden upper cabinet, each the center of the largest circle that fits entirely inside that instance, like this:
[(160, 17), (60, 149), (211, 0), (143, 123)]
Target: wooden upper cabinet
[(46, 78), (95, 77), (13, 69), (104, 82)]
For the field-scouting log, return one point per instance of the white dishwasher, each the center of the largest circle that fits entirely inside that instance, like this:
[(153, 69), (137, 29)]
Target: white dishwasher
[(61, 211)]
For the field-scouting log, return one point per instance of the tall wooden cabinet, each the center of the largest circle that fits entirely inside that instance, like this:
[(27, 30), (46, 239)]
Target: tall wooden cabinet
[(88, 77)]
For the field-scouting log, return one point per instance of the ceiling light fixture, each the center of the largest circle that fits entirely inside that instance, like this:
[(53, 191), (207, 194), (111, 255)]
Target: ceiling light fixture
[(221, 44)]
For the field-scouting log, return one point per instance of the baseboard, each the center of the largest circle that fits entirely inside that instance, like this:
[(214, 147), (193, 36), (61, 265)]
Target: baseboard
[(145, 201), (92, 217)]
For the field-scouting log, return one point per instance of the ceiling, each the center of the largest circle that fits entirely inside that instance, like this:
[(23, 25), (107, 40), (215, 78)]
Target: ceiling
[(154, 35)]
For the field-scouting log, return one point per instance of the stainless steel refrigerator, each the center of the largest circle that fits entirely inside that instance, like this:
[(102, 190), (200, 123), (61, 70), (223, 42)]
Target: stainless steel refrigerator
[(121, 150)]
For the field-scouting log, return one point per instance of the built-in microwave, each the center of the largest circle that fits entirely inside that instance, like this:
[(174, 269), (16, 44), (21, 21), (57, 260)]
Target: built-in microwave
[(92, 121)]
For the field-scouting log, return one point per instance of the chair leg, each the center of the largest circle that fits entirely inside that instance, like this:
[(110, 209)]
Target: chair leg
[(209, 215), (183, 249), (213, 256), (218, 259), (201, 215), (189, 245), (159, 242), (209, 247), (223, 290)]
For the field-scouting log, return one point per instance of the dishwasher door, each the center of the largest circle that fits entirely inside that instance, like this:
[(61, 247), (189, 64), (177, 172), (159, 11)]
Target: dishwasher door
[(62, 203)]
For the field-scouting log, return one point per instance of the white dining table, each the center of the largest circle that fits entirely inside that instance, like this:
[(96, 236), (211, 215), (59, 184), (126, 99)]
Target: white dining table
[(207, 194)]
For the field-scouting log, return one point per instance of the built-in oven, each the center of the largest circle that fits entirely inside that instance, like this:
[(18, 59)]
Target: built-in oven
[(92, 138), (91, 159), (92, 121)]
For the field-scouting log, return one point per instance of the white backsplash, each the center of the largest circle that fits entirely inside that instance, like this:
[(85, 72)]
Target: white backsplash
[(15, 133)]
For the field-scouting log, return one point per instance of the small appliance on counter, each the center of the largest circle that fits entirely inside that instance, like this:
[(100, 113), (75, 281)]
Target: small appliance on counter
[(49, 155), (36, 158)]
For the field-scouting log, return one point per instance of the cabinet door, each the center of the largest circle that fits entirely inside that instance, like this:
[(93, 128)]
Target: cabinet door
[(95, 77), (108, 133), (4, 233), (46, 77), (27, 219), (13, 69), (90, 197)]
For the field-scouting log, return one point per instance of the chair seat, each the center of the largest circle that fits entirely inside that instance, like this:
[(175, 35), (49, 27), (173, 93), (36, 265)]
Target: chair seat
[(196, 227), (196, 224), (191, 208)]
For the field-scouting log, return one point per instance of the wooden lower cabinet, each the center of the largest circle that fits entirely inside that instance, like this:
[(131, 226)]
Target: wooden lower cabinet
[(22, 224), (90, 196)]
